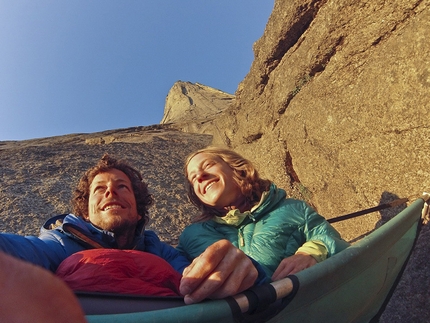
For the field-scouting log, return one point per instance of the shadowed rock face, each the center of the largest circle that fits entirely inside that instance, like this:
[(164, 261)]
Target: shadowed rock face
[(334, 109)]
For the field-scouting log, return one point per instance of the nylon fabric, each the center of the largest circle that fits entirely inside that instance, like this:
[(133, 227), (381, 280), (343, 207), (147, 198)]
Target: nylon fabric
[(119, 271)]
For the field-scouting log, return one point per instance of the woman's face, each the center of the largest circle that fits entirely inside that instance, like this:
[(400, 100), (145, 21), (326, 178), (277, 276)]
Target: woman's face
[(212, 181)]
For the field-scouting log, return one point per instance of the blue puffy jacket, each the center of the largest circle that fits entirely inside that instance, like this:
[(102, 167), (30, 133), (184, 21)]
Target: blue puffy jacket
[(75, 234)]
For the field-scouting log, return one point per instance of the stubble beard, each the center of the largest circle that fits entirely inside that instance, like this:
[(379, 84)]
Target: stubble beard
[(120, 226)]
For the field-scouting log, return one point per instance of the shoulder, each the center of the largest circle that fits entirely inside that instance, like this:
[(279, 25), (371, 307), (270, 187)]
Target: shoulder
[(292, 206), (153, 244), (54, 222), (151, 237), (278, 198), (207, 229), (289, 212)]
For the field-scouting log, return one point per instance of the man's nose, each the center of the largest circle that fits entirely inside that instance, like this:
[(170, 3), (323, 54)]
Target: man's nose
[(110, 190)]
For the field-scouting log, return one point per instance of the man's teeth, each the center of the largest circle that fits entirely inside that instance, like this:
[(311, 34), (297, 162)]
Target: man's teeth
[(209, 186), (115, 206)]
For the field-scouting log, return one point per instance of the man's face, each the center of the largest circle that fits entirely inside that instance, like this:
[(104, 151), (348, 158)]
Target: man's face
[(111, 204)]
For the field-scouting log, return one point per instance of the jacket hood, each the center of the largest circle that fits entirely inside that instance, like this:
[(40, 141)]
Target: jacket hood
[(274, 196), (87, 233)]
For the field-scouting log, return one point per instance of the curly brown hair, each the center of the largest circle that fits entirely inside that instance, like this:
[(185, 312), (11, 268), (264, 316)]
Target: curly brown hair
[(245, 175), (81, 193)]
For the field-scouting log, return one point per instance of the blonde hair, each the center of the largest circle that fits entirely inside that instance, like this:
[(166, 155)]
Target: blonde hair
[(244, 174)]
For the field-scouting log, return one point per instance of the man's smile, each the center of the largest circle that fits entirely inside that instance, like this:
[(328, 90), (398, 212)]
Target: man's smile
[(112, 205)]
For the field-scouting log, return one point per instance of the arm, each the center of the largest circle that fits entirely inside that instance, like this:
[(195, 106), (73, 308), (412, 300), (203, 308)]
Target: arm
[(176, 259), (46, 251), (32, 294), (318, 230), (293, 264), (322, 240)]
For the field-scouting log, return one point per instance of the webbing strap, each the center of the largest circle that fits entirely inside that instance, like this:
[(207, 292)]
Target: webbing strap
[(262, 302), (260, 297)]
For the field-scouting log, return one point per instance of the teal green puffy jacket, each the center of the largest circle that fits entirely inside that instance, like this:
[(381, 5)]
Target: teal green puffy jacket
[(272, 232)]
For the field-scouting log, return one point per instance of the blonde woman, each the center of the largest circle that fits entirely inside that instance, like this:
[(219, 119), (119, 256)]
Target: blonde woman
[(283, 235)]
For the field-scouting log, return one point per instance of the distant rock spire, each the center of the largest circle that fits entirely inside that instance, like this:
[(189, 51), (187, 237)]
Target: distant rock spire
[(188, 101)]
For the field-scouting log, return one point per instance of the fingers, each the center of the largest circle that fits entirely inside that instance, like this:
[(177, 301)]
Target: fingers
[(283, 270), (292, 265), (201, 267), (222, 270), (235, 274)]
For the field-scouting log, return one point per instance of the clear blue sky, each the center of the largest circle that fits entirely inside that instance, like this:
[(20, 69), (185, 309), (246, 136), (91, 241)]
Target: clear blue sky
[(82, 66)]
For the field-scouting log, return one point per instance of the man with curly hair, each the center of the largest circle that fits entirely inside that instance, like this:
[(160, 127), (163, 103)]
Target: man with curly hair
[(110, 210)]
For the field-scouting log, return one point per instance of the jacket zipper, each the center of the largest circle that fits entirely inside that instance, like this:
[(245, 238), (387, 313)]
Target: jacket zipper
[(241, 238)]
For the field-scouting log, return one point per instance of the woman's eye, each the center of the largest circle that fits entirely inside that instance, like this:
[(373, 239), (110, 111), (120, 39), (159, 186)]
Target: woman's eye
[(207, 165)]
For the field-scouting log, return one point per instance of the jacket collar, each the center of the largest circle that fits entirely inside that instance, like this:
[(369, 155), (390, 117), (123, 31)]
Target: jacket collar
[(268, 200), (88, 234)]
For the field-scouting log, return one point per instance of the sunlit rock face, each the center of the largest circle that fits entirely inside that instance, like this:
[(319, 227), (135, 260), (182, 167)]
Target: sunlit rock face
[(335, 109), (193, 101)]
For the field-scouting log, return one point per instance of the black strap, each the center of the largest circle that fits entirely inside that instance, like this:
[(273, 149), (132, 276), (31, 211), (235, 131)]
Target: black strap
[(260, 297), (262, 303), (367, 211)]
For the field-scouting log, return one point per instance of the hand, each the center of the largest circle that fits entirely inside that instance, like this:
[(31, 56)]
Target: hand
[(221, 270), (29, 293), (293, 264)]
